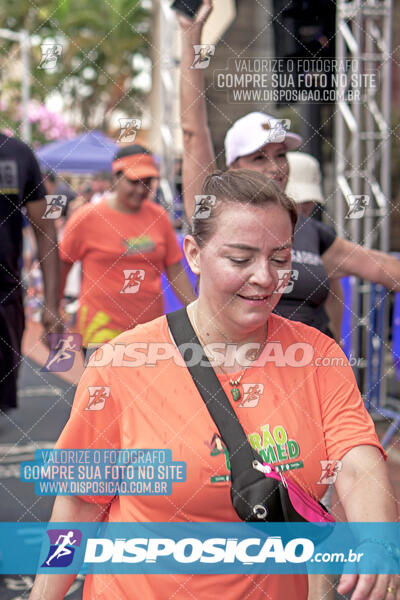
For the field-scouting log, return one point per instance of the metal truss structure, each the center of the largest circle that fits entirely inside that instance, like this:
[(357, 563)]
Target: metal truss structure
[(362, 147)]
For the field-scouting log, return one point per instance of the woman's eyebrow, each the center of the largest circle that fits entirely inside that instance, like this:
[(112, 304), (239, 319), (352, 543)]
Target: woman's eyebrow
[(247, 247), (242, 246), (284, 247)]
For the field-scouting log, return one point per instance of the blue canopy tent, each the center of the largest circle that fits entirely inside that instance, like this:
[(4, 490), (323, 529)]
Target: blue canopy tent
[(89, 152)]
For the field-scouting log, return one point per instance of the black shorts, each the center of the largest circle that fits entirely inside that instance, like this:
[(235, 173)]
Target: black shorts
[(12, 322)]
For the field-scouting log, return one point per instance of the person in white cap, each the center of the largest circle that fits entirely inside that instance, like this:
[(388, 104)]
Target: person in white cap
[(304, 183), (304, 187), (260, 142), (252, 134)]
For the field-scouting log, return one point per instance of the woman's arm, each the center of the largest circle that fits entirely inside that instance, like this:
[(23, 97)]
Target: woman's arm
[(179, 280), (198, 153), (346, 258), (66, 509), (366, 494)]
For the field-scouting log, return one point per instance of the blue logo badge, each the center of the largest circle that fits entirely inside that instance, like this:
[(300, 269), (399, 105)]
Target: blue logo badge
[(62, 547)]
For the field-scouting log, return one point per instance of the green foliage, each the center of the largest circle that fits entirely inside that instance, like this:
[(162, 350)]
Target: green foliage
[(98, 39)]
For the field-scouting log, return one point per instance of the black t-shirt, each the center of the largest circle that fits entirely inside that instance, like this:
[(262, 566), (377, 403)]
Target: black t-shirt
[(309, 286), (20, 182)]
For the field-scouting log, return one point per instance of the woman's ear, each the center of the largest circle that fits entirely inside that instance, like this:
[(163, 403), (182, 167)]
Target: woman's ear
[(192, 253)]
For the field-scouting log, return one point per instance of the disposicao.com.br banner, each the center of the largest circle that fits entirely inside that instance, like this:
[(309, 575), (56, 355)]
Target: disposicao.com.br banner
[(199, 548)]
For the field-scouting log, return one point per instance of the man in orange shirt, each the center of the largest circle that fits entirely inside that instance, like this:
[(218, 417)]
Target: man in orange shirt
[(125, 243)]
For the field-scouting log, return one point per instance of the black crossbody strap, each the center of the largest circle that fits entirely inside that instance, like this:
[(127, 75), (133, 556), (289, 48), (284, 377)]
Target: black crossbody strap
[(213, 395)]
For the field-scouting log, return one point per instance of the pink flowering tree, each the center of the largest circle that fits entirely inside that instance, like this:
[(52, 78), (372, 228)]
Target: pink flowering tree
[(47, 126)]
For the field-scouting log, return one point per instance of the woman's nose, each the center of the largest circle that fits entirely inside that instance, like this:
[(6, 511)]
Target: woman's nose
[(273, 169), (262, 275)]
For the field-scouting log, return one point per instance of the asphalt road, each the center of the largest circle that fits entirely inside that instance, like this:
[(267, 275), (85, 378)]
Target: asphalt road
[(43, 408)]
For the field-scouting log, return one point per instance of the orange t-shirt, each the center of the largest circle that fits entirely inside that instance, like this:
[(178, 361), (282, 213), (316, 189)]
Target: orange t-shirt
[(296, 416), (123, 256)]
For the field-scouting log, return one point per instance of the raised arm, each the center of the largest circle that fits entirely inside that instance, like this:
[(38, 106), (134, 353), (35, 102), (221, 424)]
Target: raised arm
[(198, 153), (346, 258)]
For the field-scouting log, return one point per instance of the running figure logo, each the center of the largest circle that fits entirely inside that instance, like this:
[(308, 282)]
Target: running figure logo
[(50, 55), (128, 130), (54, 206), (97, 397), (286, 279), (251, 394), (62, 547), (204, 203), (133, 279), (276, 130), (202, 55), (357, 206), (62, 351), (330, 470)]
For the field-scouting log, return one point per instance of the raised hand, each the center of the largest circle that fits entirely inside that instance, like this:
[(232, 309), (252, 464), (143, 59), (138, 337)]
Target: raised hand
[(200, 17)]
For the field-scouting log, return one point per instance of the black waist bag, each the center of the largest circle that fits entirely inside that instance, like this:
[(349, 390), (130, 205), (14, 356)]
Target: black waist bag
[(254, 496)]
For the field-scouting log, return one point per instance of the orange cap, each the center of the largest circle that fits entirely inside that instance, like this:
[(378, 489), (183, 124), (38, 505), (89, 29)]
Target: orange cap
[(136, 166)]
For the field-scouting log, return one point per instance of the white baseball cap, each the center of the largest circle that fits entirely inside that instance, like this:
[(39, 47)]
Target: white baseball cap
[(255, 130), (304, 184)]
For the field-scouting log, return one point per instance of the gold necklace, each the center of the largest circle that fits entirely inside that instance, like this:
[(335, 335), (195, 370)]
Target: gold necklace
[(235, 391)]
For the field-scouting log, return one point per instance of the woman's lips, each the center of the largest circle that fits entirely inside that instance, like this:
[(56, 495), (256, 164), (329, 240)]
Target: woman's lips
[(255, 299)]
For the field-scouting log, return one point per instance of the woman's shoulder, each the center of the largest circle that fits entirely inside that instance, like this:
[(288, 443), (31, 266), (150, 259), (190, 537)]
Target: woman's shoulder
[(309, 224), (155, 209), (296, 332), (81, 218), (152, 331), (82, 212)]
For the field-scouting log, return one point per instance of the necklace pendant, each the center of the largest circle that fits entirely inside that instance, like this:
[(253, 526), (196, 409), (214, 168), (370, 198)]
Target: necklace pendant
[(235, 394)]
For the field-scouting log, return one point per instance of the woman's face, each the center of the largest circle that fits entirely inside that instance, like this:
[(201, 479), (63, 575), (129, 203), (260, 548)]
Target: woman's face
[(131, 193), (245, 264), (270, 160)]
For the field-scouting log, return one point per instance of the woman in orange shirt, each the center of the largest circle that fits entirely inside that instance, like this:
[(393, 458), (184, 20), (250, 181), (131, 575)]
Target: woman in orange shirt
[(295, 415), (125, 243)]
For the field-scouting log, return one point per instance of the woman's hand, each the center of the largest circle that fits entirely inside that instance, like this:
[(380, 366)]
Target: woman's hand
[(364, 503), (52, 322), (199, 19), (378, 587)]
